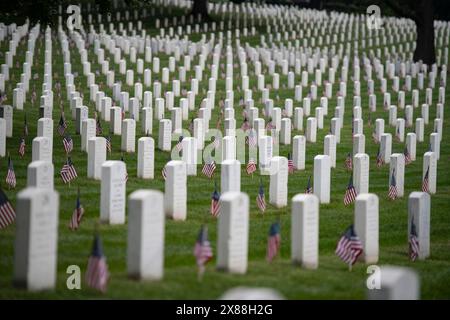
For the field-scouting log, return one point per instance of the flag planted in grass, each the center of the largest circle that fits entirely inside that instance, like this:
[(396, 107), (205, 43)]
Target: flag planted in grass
[(413, 242), (349, 247), (309, 188), (22, 147), (392, 193), (379, 159), (97, 274), (108, 144), (260, 198), (291, 167), (68, 172), (68, 144), (425, 181), (407, 156), (350, 193), (215, 202), (349, 161), (273, 241), (77, 214), (7, 213), (251, 166), (202, 251), (11, 175), (209, 168), (62, 125)]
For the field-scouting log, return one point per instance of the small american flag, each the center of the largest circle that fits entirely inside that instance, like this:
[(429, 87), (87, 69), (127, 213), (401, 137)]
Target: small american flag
[(245, 125), (25, 126), (349, 161), (123, 112), (252, 138), (309, 188), (164, 172), (269, 125), (251, 166), (62, 125), (407, 156), (179, 145), (108, 144), (7, 213), (291, 167), (68, 144), (349, 247), (260, 198), (68, 172), (216, 142), (11, 176), (414, 248), (209, 168), (425, 183), (397, 134), (98, 125), (97, 274), (202, 250), (22, 147), (379, 159), (392, 194), (77, 214), (350, 193), (273, 241), (215, 203)]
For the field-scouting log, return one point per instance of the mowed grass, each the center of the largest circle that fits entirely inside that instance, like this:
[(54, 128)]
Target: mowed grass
[(331, 280)]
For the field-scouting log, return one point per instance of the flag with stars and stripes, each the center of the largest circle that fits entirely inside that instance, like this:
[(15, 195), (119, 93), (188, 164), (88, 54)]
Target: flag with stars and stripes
[(251, 166), (414, 247), (269, 125), (215, 202), (350, 193), (216, 142), (392, 194), (209, 168), (291, 167), (25, 125), (349, 161), (349, 247), (425, 183), (22, 147), (97, 274), (77, 214), (164, 172), (68, 172), (202, 251), (379, 159), (252, 139), (245, 125), (7, 213), (108, 144), (11, 175), (260, 198), (273, 241), (179, 144), (309, 188), (62, 125), (407, 156), (68, 144), (98, 125)]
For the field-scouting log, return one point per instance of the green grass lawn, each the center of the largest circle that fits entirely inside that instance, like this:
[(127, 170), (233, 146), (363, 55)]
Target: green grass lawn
[(331, 280)]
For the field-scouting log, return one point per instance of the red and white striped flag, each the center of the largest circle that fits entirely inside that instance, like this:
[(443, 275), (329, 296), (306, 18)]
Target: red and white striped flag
[(379, 159), (68, 144), (291, 167), (68, 172), (7, 213), (97, 274), (425, 183), (164, 172), (392, 194), (260, 198), (349, 247), (414, 247), (77, 214), (350, 193), (11, 175), (407, 156), (251, 166), (273, 241), (209, 168), (22, 147), (202, 250), (349, 162), (215, 203)]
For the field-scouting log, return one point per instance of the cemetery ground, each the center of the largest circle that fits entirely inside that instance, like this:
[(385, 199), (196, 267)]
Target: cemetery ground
[(332, 279)]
